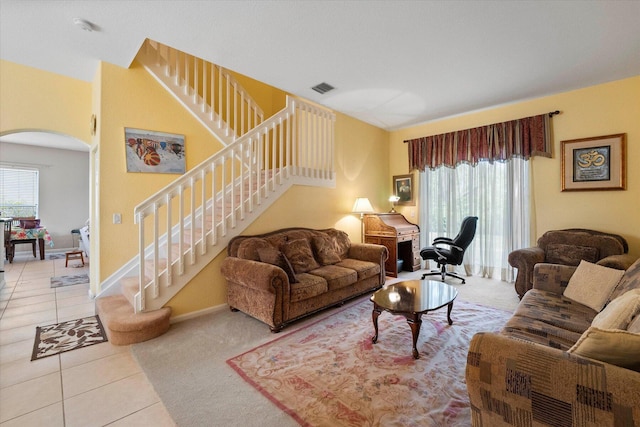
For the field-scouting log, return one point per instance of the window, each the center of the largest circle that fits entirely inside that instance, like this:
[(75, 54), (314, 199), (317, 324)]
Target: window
[(497, 193), (18, 192)]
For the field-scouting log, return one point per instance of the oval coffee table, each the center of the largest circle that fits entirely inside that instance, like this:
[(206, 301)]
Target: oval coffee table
[(411, 299)]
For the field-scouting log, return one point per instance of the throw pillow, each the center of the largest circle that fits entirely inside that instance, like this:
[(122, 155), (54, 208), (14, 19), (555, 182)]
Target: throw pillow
[(591, 284), (325, 249), (248, 248), (299, 254), (558, 253), (272, 256), (634, 326), (620, 348), (619, 312), (630, 280)]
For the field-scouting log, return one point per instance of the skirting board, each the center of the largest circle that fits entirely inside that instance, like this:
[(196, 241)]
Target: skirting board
[(198, 313)]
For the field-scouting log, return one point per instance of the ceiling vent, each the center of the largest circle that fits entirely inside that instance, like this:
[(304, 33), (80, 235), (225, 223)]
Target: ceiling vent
[(323, 88)]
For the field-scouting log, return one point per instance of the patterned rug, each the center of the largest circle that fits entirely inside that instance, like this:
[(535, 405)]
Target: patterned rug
[(76, 279), (56, 256), (329, 373), (67, 336)]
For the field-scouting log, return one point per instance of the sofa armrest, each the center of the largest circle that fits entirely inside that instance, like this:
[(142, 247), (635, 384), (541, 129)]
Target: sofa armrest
[(552, 277), (369, 252), (619, 262), (255, 275), (524, 260), (510, 379)]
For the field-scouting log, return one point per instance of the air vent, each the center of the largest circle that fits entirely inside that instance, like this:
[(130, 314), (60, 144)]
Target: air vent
[(323, 88)]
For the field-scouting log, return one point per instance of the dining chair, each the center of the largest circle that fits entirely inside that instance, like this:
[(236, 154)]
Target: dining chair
[(19, 222)]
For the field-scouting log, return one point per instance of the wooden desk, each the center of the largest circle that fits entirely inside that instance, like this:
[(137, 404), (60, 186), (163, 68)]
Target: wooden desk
[(401, 237)]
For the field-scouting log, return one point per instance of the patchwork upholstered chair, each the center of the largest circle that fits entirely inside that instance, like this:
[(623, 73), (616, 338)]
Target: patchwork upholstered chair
[(569, 247)]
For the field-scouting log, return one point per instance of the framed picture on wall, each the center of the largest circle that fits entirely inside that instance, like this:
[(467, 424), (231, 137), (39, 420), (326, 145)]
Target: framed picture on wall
[(596, 163), (151, 151), (403, 188)]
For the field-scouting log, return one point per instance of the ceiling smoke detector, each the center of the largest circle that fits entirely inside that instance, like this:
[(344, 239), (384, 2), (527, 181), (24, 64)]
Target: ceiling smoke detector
[(323, 88)]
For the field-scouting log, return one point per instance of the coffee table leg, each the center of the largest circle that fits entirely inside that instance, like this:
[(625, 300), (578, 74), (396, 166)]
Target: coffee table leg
[(376, 312), (449, 308), (414, 323)]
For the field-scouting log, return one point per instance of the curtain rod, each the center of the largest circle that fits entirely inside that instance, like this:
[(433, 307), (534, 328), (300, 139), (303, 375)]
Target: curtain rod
[(551, 114)]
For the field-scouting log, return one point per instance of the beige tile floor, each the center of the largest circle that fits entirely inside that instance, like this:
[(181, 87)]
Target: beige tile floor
[(92, 386)]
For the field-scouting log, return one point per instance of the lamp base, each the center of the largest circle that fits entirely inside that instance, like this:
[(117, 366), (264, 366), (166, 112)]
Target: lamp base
[(393, 210)]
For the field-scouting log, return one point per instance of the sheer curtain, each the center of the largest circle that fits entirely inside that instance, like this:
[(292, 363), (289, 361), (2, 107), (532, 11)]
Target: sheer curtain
[(497, 193)]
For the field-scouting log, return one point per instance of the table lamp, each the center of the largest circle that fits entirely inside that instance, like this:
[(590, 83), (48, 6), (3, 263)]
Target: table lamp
[(362, 206), (393, 200)]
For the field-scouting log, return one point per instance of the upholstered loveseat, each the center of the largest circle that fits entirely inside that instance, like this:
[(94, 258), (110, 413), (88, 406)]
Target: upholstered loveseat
[(569, 247), (287, 274), (559, 362)]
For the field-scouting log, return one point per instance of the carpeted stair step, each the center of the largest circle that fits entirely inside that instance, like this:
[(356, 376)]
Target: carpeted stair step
[(125, 327)]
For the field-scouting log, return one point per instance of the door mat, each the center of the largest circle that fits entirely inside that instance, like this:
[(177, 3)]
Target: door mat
[(67, 336), (76, 279)]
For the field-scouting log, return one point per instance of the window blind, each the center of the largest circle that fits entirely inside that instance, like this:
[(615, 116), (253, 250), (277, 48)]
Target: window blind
[(18, 192)]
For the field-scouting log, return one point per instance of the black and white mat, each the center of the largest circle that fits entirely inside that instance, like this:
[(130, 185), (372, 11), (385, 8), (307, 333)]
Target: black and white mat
[(67, 336), (75, 279)]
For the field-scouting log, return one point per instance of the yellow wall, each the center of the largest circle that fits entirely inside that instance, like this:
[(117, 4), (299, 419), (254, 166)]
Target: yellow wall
[(32, 99), (361, 170), (604, 109)]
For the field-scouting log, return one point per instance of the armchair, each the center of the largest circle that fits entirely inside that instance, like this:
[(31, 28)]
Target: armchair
[(569, 247), (445, 251)]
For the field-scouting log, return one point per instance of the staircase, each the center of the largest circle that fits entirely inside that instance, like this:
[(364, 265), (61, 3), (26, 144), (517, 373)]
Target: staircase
[(185, 225)]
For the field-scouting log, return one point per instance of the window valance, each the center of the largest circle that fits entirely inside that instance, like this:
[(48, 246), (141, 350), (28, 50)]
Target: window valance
[(521, 138)]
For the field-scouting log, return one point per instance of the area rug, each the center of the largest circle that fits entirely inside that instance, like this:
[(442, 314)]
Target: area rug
[(76, 279), (57, 256), (67, 336), (330, 373)]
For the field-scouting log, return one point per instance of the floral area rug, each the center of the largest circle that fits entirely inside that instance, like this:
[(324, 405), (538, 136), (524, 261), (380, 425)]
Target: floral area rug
[(330, 373), (67, 336), (75, 279)]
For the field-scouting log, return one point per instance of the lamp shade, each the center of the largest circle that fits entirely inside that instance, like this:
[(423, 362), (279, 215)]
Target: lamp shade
[(362, 205), (394, 199)]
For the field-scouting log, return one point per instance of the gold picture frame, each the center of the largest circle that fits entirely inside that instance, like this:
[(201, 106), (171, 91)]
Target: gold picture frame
[(596, 163), (403, 188)]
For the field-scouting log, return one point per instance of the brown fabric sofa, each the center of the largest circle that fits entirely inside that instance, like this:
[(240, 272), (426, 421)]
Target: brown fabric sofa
[(530, 374), (287, 274), (568, 247)]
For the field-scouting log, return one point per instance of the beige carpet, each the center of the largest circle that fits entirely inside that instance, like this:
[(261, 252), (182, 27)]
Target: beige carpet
[(187, 364)]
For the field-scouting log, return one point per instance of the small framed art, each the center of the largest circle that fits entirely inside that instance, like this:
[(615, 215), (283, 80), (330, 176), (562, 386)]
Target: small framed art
[(597, 163), (151, 151), (403, 188)]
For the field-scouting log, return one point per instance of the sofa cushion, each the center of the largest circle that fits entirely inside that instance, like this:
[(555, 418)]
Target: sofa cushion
[(337, 277), (634, 326), (248, 249), (619, 312), (592, 284), (300, 255), (365, 269), (556, 310), (559, 253), (630, 280), (621, 348), (271, 255), (308, 286), (540, 332), (325, 250)]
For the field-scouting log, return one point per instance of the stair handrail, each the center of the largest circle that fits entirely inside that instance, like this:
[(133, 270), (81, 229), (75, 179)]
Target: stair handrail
[(295, 142), (204, 87)]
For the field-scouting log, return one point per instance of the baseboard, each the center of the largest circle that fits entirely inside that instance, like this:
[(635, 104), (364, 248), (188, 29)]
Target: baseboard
[(194, 314)]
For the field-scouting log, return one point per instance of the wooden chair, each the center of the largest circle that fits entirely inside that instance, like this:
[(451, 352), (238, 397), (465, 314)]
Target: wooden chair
[(16, 222), (7, 240)]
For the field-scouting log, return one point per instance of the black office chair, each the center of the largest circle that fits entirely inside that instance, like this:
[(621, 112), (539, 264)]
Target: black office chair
[(453, 250)]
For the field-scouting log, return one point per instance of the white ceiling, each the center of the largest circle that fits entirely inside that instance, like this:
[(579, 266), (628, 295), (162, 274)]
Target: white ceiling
[(393, 63)]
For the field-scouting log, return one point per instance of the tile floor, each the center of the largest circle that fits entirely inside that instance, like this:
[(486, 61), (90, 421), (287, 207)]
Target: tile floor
[(92, 386)]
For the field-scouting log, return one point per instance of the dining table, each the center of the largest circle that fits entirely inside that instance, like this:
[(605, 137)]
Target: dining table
[(39, 233)]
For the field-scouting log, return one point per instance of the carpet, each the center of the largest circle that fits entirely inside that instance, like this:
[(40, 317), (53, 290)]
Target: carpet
[(67, 336), (76, 279), (330, 373)]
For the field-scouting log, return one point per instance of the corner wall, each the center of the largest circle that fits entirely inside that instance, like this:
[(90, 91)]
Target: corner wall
[(604, 109)]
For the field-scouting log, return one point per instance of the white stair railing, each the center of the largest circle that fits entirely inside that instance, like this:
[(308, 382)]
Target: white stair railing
[(207, 90), (185, 225)]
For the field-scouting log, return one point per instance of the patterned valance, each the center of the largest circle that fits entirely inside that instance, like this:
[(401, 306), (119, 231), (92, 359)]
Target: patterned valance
[(521, 138)]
